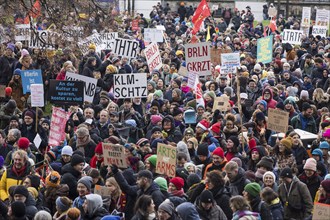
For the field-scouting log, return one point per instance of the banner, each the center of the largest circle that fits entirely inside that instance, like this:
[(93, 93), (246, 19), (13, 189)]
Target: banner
[(130, 85), (277, 120), (114, 154), (321, 211), (37, 95), (153, 35), (320, 30), (66, 92), (265, 49), (230, 59), (42, 40), (292, 36), (221, 103), (166, 160), (198, 58), (108, 40), (30, 77), (90, 85), (22, 32), (153, 57), (322, 17), (306, 17), (126, 48), (57, 126), (73, 33), (95, 39)]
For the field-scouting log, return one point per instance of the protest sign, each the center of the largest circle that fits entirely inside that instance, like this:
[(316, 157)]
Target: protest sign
[(277, 120), (126, 48), (265, 49), (153, 35), (215, 7), (66, 92), (198, 58), (221, 103), (30, 77), (57, 126), (160, 27), (183, 71), (322, 17), (192, 77), (292, 36), (108, 40), (41, 39), (320, 30), (72, 33), (22, 32), (215, 56), (166, 160), (37, 95), (130, 85), (321, 211), (95, 39), (135, 25), (37, 140), (306, 17), (114, 154), (102, 190), (153, 57), (230, 59), (89, 87), (2, 91)]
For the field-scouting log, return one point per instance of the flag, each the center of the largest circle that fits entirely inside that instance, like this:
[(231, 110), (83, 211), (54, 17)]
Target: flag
[(208, 36), (202, 12), (199, 95), (272, 24), (35, 10)]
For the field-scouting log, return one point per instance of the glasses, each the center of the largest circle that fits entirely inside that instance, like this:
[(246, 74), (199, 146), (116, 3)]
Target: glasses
[(82, 137)]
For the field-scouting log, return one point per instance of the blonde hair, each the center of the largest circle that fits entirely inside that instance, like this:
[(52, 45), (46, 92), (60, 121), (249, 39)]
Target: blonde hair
[(319, 95), (238, 203), (112, 104), (22, 154), (113, 182)]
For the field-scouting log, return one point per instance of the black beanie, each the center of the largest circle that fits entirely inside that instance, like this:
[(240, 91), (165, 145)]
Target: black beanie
[(266, 162), (177, 111), (203, 149), (35, 181), (206, 196), (280, 105), (18, 209), (156, 128), (21, 190), (77, 159), (177, 81), (235, 140), (193, 179)]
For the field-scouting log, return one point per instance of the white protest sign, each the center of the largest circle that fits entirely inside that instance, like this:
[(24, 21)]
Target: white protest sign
[(126, 48), (192, 77), (42, 40), (22, 32), (108, 40), (37, 95), (153, 35), (130, 85), (215, 7), (306, 17), (198, 58), (322, 17), (37, 141), (319, 30), (90, 85), (230, 60), (160, 27), (94, 38), (72, 33), (292, 36), (153, 57)]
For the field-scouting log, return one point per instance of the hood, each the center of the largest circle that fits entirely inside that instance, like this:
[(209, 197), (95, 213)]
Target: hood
[(261, 150), (270, 91), (169, 118), (187, 211), (67, 168), (94, 202), (182, 147), (30, 201)]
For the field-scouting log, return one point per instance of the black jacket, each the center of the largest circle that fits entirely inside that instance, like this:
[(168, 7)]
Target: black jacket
[(70, 176)]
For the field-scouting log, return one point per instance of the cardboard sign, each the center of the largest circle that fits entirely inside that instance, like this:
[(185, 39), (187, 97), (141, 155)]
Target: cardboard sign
[(126, 48), (230, 59), (108, 40), (57, 126), (321, 211), (130, 85), (221, 103), (89, 87), (66, 92), (94, 38), (198, 58), (183, 71), (135, 25), (265, 49), (277, 120), (292, 36), (153, 35), (153, 57), (306, 17), (114, 154), (30, 77), (2, 91), (322, 17), (42, 40), (102, 190), (192, 78), (22, 32), (215, 56), (37, 95), (166, 160), (319, 30)]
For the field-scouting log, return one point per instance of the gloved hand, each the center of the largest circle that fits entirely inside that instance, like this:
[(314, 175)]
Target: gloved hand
[(114, 169)]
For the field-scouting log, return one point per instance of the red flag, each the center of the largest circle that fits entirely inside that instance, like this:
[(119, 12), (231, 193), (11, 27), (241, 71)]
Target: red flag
[(36, 9), (202, 12), (272, 25)]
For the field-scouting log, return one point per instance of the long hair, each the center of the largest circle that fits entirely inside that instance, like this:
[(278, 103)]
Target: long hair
[(142, 204), (239, 203), (118, 191)]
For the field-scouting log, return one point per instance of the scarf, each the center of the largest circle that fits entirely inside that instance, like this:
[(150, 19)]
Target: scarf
[(304, 121), (178, 193), (20, 171)]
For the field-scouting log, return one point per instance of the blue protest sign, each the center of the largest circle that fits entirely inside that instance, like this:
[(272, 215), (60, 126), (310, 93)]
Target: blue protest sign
[(30, 77), (265, 49)]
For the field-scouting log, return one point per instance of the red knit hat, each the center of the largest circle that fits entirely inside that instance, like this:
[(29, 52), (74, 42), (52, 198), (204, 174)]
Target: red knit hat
[(216, 128), (219, 152), (99, 148), (23, 143), (178, 182), (203, 124), (8, 91)]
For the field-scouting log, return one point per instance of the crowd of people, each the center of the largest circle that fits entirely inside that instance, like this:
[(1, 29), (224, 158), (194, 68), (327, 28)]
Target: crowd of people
[(229, 165)]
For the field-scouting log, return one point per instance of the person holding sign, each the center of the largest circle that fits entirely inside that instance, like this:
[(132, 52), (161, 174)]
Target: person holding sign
[(17, 89)]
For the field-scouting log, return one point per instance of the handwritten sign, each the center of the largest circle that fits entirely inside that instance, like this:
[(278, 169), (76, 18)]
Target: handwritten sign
[(277, 120), (183, 71), (22, 32), (102, 190), (66, 92), (321, 211), (292, 36), (230, 59), (322, 17), (192, 77), (130, 85), (108, 40), (57, 126), (153, 35), (265, 49), (320, 30), (221, 103), (37, 95), (198, 58), (92, 39), (114, 154), (166, 160), (306, 17), (30, 77), (153, 57)]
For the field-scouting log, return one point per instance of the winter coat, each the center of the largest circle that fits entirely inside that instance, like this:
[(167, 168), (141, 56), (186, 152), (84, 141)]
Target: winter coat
[(30, 207), (98, 214), (300, 154), (88, 70), (271, 103), (89, 149), (70, 176), (51, 194), (187, 211), (222, 197), (214, 213), (106, 83), (276, 209), (5, 116), (245, 215), (261, 207), (30, 133), (237, 185), (313, 183), (296, 122), (17, 93), (6, 70)]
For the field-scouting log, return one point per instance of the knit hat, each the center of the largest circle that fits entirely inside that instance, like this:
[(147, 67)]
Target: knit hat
[(111, 69), (152, 83), (235, 140), (206, 196), (203, 149), (155, 119), (280, 105), (145, 173), (237, 160), (104, 95), (21, 190), (87, 181), (11, 47), (35, 181), (29, 114), (92, 46), (193, 179), (253, 189), (260, 116), (178, 182), (33, 191), (167, 206), (268, 173), (155, 129), (23, 143), (53, 179), (42, 215), (162, 183), (11, 105), (8, 91), (229, 91), (287, 142), (99, 148), (324, 145), (264, 103), (73, 213), (304, 93), (177, 111), (257, 67), (317, 152), (142, 142), (77, 159), (158, 93), (310, 164), (18, 209), (219, 152), (259, 173), (153, 160), (266, 162), (326, 185), (67, 150), (203, 124), (286, 172), (178, 82), (216, 128)]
